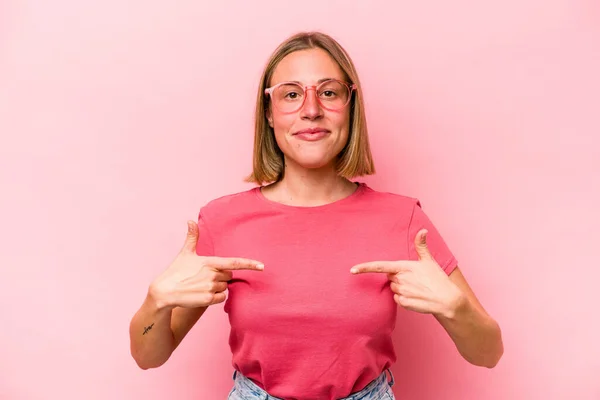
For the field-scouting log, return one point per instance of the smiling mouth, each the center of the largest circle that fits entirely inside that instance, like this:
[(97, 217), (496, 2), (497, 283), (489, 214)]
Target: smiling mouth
[(312, 135), (311, 131)]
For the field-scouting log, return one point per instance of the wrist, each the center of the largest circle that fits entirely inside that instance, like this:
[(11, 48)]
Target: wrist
[(157, 299), (455, 306)]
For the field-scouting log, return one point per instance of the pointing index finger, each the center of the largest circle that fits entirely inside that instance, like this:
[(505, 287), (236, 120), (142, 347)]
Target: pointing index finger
[(235, 263), (390, 267)]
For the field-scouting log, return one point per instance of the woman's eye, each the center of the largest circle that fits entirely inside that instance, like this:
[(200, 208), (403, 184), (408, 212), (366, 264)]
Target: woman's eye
[(328, 93), (292, 95)]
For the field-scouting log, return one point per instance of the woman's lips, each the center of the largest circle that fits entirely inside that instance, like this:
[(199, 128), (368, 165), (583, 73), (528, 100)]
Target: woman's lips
[(311, 134)]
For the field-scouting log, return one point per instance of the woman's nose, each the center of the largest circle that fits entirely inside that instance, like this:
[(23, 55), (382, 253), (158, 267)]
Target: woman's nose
[(311, 107)]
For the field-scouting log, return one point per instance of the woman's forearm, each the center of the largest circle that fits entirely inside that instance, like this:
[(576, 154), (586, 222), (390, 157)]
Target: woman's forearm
[(151, 337), (477, 336)]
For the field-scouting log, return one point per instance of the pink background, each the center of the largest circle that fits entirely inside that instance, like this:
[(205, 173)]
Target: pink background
[(119, 119)]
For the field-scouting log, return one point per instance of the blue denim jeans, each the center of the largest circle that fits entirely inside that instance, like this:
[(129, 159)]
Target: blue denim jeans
[(378, 389)]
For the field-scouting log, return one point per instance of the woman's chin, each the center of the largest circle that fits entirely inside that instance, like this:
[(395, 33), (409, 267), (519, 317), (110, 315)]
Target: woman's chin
[(315, 159), (314, 163)]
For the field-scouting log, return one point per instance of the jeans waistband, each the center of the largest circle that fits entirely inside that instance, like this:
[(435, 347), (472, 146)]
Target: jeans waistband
[(374, 390)]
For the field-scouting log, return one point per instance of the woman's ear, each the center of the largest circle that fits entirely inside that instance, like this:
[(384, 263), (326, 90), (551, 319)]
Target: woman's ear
[(269, 116)]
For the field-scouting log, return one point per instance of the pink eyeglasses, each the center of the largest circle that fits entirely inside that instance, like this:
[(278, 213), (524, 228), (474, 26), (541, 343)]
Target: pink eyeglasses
[(332, 94)]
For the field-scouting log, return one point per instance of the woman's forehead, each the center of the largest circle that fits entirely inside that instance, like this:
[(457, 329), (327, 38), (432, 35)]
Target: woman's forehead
[(307, 67)]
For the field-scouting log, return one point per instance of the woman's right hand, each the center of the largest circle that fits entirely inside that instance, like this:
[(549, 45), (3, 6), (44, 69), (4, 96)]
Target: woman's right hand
[(196, 281)]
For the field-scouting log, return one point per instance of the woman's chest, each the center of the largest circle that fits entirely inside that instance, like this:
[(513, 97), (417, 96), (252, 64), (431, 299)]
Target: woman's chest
[(307, 274)]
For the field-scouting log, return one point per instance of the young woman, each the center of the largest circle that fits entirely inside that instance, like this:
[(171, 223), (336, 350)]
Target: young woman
[(314, 263)]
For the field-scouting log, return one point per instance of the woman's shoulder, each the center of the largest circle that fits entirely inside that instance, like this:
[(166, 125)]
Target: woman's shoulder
[(389, 197), (230, 202)]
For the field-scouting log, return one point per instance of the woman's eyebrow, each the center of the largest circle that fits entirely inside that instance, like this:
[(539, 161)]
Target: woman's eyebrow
[(319, 81)]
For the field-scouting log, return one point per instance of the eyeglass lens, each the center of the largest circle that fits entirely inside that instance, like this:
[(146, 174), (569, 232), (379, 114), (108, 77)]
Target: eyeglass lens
[(332, 95)]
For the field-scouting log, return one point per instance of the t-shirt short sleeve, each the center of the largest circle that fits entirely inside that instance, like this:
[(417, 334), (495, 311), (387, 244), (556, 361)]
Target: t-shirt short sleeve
[(435, 243), (205, 246)]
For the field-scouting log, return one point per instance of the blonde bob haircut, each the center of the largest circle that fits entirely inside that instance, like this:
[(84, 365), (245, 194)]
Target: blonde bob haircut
[(355, 159)]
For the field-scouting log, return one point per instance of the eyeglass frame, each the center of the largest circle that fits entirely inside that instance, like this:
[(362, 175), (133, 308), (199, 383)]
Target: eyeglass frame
[(351, 88)]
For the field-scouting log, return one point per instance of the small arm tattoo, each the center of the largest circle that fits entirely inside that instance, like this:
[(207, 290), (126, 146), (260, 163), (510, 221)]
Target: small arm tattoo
[(146, 329)]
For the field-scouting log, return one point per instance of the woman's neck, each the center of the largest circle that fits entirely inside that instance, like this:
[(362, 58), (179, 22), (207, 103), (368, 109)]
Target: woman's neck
[(309, 187)]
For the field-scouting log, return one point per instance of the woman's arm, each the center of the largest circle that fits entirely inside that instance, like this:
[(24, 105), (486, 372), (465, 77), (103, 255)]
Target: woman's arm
[(156, 330), (424, 287), (475, 333)]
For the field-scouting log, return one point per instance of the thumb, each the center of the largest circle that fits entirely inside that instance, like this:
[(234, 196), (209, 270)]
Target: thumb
[(421, 245), (191, 239)]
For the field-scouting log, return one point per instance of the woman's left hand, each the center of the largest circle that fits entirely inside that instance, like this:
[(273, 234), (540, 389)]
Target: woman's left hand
[(420, 286)]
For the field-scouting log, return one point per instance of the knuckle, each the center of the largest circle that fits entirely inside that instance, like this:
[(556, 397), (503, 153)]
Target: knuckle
[(209, 297), (218, 298), (211, 286)]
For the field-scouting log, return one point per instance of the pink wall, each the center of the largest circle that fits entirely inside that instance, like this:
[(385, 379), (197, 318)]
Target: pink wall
[(120, 119)]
